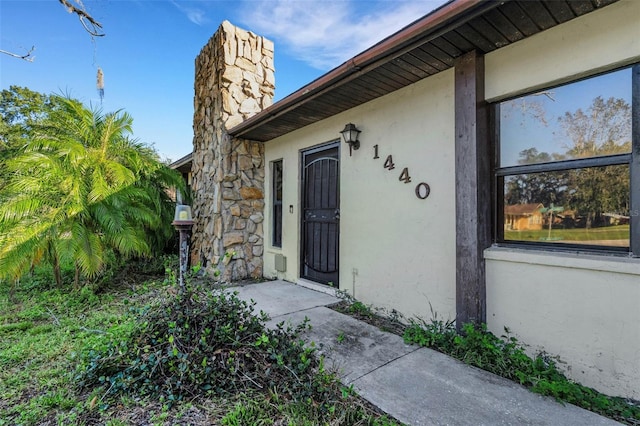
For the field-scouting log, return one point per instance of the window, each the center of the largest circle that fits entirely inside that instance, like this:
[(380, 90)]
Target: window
[(568, 165), (276, 197)]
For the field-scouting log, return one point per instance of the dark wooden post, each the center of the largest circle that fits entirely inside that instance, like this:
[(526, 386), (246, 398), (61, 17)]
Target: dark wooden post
[(635, 162), (473, 189)]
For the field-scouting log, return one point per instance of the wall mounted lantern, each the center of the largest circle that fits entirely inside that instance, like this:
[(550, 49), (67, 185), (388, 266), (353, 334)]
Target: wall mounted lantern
[(350, 136), (183, 221)]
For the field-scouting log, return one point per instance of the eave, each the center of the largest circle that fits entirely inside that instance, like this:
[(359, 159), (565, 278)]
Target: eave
[(183, 165), (426, 47)]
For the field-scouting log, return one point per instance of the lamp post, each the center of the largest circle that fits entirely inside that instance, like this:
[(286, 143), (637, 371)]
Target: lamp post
[(183, 221)]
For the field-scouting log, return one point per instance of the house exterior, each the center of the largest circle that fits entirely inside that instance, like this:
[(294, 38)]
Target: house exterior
[(413, 219), (523, 217), (183, 165)]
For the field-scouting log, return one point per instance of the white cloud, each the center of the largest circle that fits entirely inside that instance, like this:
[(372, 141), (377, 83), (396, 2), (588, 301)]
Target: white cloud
[(324, 34), (194, 14)]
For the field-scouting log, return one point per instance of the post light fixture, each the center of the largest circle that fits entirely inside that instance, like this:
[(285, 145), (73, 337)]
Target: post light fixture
[(350, 135), (183, 221), (183, 213)]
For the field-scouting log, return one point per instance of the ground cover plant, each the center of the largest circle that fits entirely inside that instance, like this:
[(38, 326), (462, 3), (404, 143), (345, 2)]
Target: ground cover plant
[(80, 357), (204, 341), (504, 356), (390, 321)]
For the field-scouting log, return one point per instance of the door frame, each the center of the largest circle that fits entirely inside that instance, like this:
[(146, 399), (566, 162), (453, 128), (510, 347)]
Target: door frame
[(303, 154)]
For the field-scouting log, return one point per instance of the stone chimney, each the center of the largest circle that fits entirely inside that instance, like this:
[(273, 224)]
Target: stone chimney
[(234, 80)]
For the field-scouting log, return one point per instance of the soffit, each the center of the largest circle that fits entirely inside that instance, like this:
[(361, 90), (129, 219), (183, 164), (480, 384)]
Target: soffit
[(424, 48), (183, 165)]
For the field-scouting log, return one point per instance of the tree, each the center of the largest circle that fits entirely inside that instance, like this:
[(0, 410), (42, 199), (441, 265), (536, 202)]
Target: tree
[(93, 27), (533, 188), (80, 186), (603, 129), (21, 110)]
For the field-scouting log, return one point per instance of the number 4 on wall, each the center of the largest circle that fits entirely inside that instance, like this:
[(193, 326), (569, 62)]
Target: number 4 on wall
[(404, 176), (388, 163), (422, 189)]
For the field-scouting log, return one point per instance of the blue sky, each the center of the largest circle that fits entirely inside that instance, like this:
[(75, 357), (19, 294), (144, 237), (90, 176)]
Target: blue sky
[(148, 53)]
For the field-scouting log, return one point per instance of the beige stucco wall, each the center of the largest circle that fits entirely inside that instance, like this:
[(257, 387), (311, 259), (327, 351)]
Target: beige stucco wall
[(396, 250), (582, 308)]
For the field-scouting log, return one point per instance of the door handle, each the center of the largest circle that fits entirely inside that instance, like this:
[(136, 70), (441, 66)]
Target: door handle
[(337, 214)]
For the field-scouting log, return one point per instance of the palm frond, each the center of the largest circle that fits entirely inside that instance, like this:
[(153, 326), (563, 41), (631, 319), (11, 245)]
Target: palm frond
[(79, 187)]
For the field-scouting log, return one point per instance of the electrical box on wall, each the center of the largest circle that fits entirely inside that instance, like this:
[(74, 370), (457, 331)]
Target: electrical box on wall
[(281, 263)]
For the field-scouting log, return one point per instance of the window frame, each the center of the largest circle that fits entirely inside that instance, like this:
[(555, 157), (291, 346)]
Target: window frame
[(276, 205), (631, 159)]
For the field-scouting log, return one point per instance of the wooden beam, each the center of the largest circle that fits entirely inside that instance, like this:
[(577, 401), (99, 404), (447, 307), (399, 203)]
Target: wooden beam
[(473, 188), (635, 162)]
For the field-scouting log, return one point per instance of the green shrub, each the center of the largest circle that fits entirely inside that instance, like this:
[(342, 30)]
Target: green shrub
[(506, 357), (45, 328), (205, 341)]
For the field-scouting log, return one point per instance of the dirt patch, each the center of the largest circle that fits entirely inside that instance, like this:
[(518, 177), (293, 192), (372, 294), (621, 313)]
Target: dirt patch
[(385, 321)]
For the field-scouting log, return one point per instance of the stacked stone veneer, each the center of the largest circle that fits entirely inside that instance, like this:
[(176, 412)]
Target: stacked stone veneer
[(234, 80)]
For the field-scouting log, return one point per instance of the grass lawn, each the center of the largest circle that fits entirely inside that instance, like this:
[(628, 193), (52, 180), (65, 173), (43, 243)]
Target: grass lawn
[(44, 329), (579, 235)]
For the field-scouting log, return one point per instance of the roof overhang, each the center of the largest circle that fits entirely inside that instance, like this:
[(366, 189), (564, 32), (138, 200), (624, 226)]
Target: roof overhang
[(424, 48), (183, 165)]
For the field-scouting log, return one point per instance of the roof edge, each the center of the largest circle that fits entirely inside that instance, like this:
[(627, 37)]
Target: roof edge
[(442, 16), (182, 161)]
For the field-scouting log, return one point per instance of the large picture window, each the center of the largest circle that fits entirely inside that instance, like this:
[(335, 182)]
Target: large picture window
[(276, 197), (567, 166)]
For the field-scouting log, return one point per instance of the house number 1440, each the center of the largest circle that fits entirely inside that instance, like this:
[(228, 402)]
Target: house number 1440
[(422, 189)]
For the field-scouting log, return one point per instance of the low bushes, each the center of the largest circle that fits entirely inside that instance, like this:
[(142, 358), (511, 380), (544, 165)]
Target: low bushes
[(207, 343), (506, 357), (131, 350), (204, 341)]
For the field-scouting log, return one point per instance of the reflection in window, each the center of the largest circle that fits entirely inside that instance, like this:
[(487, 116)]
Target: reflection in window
[(585, 119), (276, 173), (581, 206), (565, 164)]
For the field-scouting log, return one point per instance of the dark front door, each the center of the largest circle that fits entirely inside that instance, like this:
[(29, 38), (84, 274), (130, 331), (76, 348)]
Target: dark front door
[(320, 214)]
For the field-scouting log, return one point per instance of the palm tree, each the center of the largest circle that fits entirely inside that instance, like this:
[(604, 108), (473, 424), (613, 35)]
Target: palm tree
[(79, 188)]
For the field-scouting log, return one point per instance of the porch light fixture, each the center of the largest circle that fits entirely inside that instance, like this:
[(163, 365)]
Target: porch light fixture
[(350, 136), (183, 221)]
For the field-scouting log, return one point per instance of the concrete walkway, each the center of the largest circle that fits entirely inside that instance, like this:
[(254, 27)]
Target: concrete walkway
[(417, 386)]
